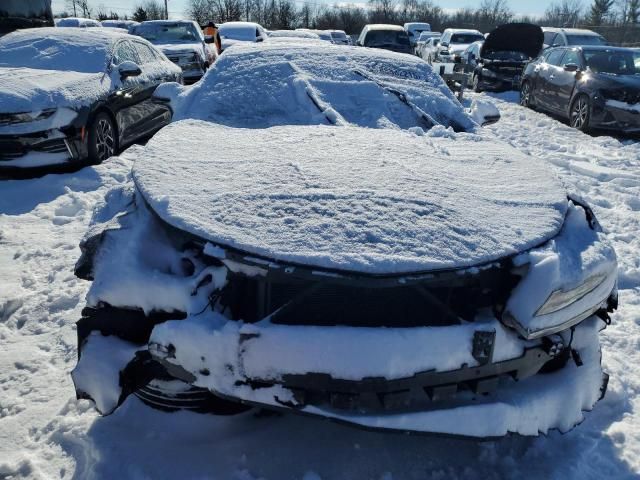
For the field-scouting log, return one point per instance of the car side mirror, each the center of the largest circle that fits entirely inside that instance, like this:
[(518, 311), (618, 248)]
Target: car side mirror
[(571, 67), (128, 69)]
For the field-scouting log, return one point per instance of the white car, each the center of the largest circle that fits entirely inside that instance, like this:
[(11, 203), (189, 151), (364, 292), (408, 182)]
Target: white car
[(232, 33), (292, 34), (414, 29), (339, 37), (423, 43), (569, 37), (453, 42), (324, 35), (124, 24), (322, 235), (183, 42)]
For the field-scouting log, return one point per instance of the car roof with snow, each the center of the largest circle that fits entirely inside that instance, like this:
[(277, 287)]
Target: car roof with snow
[(348, 199), (383, 26), (261, 85)]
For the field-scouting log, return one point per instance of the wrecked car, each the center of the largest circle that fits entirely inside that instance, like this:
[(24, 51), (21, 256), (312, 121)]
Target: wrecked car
[(384, 276), (497, 63)]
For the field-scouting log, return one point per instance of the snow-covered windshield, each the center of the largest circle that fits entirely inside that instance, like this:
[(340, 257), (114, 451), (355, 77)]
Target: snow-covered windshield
[(162, 33), (377, 38), (573, 39), (243, 32), (614, 62), (52, 48), (465, 38), (338, 35)]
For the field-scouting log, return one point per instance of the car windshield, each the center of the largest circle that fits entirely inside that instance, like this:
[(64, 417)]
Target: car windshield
[(160, 33), (586, 40), (386, 37), (339, 35), (620, 62), (465, 37)]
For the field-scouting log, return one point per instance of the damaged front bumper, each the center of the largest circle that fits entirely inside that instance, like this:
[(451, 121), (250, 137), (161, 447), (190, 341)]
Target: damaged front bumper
[(459, 352)]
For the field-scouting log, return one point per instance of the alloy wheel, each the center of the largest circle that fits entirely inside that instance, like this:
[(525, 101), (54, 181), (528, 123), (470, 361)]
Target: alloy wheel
[(105, 139), (580, 113), (525, 95)]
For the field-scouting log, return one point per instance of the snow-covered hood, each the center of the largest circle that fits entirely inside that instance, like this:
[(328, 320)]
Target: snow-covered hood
[(230, 42), (178, 48), (374, 201), (28, 90)]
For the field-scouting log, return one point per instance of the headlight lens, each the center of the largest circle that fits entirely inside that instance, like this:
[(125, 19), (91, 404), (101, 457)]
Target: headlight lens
[(15, 118), (561, 299)]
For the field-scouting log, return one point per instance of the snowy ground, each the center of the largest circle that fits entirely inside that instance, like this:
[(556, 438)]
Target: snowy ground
[(46, 433)]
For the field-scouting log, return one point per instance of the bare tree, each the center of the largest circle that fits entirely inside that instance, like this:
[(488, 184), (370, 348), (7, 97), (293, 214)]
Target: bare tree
[(79, 7), (563, 13)]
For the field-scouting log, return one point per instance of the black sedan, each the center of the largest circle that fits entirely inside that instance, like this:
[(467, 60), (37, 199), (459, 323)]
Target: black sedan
[(68, 96), (592, 86)]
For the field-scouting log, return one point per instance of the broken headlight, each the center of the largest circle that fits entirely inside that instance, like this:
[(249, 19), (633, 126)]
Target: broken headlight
[(560, 299)]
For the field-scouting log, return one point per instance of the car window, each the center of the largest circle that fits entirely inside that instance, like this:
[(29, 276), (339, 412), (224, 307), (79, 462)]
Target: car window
[(125, 52), (571, 57), (555, 57), (585, 40), (549, 37), (613, 62), (146, 54)]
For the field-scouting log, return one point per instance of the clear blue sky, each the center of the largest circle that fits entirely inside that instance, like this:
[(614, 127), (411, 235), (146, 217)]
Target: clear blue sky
[(177, 7)]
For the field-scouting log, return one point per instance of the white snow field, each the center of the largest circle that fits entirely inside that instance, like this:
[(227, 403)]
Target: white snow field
[(46, 433)]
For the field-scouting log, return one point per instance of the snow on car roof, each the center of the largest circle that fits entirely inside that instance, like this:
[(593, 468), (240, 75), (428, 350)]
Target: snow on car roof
[(348, 198), (59, 48), (383, 26), (260, 85)]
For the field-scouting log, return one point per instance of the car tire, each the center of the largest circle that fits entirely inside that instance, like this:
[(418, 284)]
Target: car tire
[(102, 139), (476, 83), (525, 95), (580, 113)]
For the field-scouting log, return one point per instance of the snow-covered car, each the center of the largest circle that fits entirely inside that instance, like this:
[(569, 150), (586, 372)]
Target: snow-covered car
[(124, 24), (453, 42), (414, 275), (324, 35), (183, 42), (68, 96), (423, 45), (293, 34), (414, 29), (77, 22), (241, 32), (339, 37)]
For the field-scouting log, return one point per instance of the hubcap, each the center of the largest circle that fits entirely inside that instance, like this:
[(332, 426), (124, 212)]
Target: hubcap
[(524, 95), (105, 139), (580, 113)]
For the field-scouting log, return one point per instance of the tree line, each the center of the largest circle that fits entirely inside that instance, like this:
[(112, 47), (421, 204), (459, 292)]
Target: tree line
[(617, 20)]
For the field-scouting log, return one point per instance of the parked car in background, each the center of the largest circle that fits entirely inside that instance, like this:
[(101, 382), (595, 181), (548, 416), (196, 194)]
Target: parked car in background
[(591, 86), (422, 42), (183, 42), (324, 35), (77, 22), (87, 98), (19, 14), (387, 37), (453, 42), (385, 292), (241, 32), (124, 24), (563, 37), (414, 29), (292, 34), (497, 63), (339, 37)]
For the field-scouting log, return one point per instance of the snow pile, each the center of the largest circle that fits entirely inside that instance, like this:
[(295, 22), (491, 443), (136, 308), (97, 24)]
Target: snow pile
[(274, 83), (375, 201)]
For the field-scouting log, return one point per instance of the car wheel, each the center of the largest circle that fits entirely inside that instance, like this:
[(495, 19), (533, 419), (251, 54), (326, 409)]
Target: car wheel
[(525, 95), (476, 83), (103, 138), (580, 113)]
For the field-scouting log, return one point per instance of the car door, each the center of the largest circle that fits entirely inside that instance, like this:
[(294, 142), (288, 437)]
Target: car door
[(125, 101), (546, 71), (565, 80), (152, 115)]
